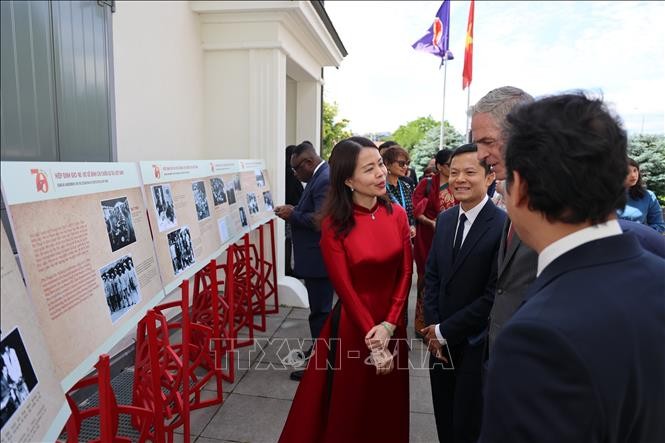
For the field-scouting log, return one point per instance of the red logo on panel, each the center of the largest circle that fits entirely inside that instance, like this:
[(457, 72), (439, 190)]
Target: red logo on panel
[(41, 181), (155, 170)]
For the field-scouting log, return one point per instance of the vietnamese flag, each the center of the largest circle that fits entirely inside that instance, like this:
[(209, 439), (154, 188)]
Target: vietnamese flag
[(468, 51)]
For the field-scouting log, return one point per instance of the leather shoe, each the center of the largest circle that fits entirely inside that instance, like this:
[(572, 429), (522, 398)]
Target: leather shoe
[(296, 375)]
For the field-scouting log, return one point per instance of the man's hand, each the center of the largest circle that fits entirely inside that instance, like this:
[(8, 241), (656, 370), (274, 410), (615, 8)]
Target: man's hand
[(284, 211), (433, 344)]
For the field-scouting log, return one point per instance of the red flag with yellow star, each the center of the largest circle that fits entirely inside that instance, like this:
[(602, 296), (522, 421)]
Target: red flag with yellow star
[(468, 51)]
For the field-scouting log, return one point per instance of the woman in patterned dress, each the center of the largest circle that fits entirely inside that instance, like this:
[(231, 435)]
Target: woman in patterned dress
[(431, 197)]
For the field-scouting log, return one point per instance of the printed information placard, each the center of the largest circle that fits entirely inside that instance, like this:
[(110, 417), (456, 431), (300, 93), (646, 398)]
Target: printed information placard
[(195, 209), (230, 212), (32, 403), (87, 254), (254, 178)]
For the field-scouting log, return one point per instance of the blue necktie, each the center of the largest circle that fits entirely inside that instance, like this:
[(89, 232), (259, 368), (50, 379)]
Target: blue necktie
[(459, 235)]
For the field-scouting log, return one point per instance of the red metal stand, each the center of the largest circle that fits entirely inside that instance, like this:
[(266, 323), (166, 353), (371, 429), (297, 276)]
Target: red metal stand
[(108, 410), (161, 381), (242, 274), (213, 306)]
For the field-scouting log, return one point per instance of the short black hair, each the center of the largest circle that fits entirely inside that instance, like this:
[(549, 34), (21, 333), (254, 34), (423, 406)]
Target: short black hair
[(571, 152), (467, 148), (302, 147), (443, 156)]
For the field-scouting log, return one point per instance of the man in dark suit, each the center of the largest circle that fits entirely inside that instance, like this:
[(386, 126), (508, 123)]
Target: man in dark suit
[(583, 358), (459, 289), (516, 261), (292, 191), (309, 168)]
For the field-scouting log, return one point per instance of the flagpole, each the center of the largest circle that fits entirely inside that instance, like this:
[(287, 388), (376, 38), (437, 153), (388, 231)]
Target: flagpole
[(468, 117), (443, 110)]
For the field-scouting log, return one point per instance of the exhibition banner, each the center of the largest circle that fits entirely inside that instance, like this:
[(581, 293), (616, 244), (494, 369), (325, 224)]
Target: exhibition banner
[(32, 406), (86, 253)]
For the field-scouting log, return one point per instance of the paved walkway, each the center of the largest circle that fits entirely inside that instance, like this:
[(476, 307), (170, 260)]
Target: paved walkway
[(256, 405)]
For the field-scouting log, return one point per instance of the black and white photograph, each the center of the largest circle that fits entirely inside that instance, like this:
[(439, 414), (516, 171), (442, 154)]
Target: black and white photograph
[(252, 203), (181, 249), (121, 286), (218, 195), (119, 224), (163, 201), (200, 200), (230, 193), (223, 225), (243, 217), (236, 182), (260, 180), (18, 375), (267, 199)]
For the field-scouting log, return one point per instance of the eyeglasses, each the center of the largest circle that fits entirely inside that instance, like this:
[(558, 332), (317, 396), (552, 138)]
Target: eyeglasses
[(403, 163), (295, 168)]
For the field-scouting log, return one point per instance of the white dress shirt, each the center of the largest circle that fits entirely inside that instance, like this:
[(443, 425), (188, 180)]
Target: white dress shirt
[(578, 238)]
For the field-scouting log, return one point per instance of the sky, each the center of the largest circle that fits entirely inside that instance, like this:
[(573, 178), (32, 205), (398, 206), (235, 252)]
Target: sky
[(613, 49)]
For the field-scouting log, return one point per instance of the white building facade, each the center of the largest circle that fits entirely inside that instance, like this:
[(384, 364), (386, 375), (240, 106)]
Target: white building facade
[(221, 79)]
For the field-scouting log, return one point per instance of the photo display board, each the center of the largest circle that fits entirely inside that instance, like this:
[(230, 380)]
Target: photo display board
[(32, 403), (195, 209), (231, 215), (87, 255), (258, 195)]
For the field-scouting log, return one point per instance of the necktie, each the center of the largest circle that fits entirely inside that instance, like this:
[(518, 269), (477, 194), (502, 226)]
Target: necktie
[(459, 234), (509, 236)]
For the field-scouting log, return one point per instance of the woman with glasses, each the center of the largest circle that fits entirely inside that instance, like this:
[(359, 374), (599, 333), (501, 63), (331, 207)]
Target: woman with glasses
[(400, 191), (431, 197)]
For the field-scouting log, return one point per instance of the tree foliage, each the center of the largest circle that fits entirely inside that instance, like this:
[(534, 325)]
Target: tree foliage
[(409, 134), (334, 130), (428, 146), (649, 152)]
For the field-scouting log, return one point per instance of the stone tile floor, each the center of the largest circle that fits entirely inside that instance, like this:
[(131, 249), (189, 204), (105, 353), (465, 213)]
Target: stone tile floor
[(257, 403)]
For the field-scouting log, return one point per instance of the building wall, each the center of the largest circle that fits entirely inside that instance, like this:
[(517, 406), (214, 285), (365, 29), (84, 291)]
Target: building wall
[(158, 68)]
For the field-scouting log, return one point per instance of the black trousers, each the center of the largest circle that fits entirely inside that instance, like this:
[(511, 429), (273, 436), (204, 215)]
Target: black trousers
[(457, 395), (320, 295)]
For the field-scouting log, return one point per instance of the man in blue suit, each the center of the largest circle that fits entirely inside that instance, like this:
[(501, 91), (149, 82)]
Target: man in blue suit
[(583, 358), (309, 168), (459, 289)]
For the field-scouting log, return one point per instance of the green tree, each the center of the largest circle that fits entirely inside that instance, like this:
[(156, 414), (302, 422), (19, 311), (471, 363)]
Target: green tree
[(334, 130), (428, 146), (409, 134), (649, 152)]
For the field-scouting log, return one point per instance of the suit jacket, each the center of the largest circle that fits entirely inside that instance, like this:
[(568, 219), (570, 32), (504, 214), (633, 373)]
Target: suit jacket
[(517, 270), (583, 358), (517, 267), (306, 235), (648, 237), (459, 293)]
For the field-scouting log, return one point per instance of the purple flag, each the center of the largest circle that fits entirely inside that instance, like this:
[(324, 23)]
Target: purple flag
[(436, 40)]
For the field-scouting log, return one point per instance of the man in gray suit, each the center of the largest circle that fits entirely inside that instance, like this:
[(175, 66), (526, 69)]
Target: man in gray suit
[(517, 262)]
